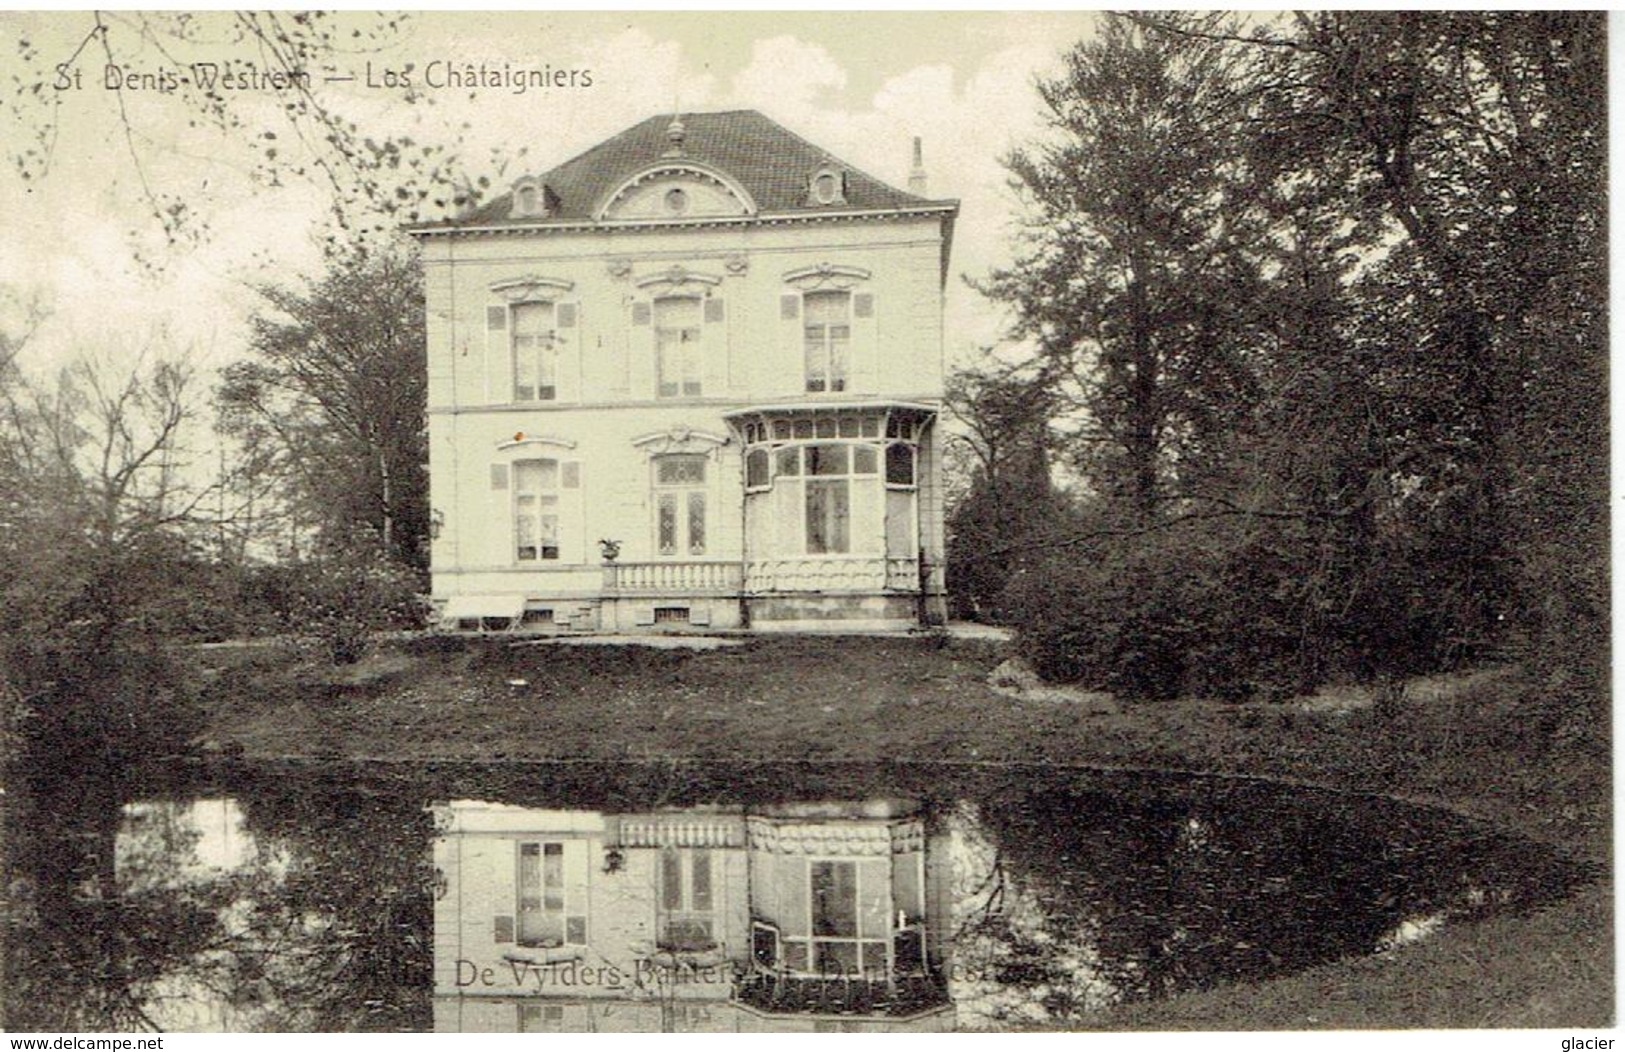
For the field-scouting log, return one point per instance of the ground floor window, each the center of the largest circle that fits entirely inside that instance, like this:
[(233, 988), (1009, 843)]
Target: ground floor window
[(680, 504), (536, 510), (687, 900)]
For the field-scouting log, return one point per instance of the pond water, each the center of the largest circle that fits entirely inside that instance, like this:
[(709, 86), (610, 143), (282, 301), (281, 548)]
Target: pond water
[(701, 897)]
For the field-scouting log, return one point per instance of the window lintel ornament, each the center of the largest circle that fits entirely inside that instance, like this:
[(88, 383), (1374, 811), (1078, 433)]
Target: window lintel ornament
[(680, 440), (522, 442), (826, 276), (683, 169), (531, 287), (677, 280)]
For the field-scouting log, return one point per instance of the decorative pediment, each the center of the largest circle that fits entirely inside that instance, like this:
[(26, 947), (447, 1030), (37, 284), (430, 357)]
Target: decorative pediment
[(522, 441), (680, 440), (676, 190), (677, 280), (530, 287), (826, 276)]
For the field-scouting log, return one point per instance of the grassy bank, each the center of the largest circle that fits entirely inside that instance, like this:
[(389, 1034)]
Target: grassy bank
[(1468, 743)]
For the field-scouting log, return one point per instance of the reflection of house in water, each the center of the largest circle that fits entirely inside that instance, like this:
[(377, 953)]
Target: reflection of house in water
[(803, 917)]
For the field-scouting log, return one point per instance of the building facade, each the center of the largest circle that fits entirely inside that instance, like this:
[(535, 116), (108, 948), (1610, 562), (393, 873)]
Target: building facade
[(719, 918), (690, 377)]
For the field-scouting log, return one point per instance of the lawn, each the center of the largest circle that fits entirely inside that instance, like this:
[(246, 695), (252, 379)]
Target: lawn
[(1463, 742)]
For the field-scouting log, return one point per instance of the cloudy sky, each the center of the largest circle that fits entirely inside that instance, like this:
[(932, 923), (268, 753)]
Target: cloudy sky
[(860, 85)]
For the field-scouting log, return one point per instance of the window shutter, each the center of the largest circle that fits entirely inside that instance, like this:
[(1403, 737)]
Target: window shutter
[(714, 348), (866, 345), (499, 476), (787, 375), (567, 362), (498, 359), (504, 895), (572, 514), (576, 879), (640, 349)]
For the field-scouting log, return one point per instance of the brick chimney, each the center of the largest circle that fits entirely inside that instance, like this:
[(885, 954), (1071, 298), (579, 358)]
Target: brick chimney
[(916, 175)]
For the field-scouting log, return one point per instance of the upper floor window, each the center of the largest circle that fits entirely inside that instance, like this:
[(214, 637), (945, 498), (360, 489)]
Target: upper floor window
[(827, 329), (678, 361), (535, 352)]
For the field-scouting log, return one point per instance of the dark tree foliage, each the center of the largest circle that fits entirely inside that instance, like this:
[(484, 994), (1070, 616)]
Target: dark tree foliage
[(1132, 278), (1003, 446), (1331, 292), (337, 387)]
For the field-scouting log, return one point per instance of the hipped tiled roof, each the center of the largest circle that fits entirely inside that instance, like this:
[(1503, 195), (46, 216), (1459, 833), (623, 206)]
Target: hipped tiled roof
[(772, 163)]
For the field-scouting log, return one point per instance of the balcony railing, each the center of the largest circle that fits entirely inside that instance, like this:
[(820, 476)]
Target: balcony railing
[(861, 573), (840, 573), (672, 578)]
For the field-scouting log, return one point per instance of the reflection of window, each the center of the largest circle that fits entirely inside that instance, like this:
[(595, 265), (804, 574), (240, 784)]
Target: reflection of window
[(764, 945), (680, 504), (535, 353), (687, 900), (827, 328), (536, 510), (544, 919), (540, 1019), (677, 346), (846, 919)]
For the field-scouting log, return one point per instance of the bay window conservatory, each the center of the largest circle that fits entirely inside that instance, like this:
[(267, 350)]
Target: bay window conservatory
[(831, 497)]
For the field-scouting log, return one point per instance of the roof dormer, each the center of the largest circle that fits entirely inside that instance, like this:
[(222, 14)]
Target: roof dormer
[(826, 187), (532, 199)]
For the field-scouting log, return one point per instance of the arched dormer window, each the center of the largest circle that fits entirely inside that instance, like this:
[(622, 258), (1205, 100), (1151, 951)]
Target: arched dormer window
[(827, 187), (531, 199), (675, 190)]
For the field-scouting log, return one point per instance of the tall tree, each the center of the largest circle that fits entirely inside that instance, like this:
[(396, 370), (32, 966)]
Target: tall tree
[(1481, 137), (1132, 276), (1003, 450), (338, 382)]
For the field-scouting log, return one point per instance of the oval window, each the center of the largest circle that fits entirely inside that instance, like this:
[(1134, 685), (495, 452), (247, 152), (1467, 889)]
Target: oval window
[(826, 188), (676, 201)]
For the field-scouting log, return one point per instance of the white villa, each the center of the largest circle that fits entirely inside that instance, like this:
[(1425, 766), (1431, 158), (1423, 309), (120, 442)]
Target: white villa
[(690, 377)]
